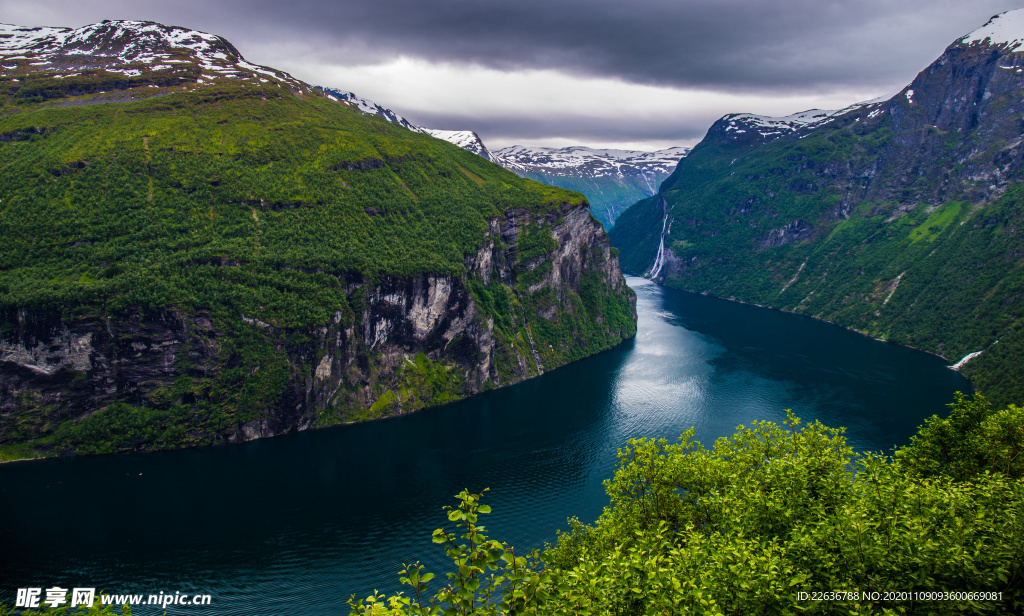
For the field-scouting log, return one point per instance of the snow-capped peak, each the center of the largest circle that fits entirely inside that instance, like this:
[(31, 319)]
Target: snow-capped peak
[(770, 127), (1003, 29), (128, 47)]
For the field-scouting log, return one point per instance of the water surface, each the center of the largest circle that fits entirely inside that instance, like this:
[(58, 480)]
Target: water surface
[(296, 524)]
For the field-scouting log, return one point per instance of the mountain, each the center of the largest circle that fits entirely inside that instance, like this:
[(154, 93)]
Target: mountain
[(611, 179), (465, 139), (751, 129), (900, 218), (370, 107), (200, 250), (120, 56)]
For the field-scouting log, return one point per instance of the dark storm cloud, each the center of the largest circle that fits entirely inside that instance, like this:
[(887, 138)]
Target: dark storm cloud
[(749, 51), (743, 45)]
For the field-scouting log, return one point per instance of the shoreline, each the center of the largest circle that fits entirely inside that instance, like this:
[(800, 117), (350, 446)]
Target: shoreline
[(950, 365), (329, 426)]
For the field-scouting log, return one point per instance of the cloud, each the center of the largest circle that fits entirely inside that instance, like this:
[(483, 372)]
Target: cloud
[(688, 43), (718, 44), (596, 70), (545, 105)]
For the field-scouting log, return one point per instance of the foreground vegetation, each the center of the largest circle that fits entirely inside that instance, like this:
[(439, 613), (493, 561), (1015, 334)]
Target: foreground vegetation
[(764, 523), (767, 522)]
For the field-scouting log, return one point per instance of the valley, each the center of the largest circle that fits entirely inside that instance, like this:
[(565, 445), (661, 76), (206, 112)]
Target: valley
[(899, 218), (611, 179), (735, 375)]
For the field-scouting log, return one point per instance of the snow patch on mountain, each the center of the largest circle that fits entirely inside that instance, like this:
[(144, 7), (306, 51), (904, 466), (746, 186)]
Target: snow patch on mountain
[(127, 47), (580, 161), (1003, 29), (369, 107), (771, 127), (465, 139)]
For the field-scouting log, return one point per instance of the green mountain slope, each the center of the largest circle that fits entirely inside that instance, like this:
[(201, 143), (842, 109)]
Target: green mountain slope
[(901, 219), (144, 203), (198, 255)]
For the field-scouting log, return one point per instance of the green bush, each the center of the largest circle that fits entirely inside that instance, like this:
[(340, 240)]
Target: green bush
[(761, 521)]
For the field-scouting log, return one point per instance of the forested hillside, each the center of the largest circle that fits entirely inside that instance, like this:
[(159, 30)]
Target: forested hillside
[(209, 251)]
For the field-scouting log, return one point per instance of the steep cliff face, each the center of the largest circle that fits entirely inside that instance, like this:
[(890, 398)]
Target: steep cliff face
[(433, 339), (196, 378), (899, 218)]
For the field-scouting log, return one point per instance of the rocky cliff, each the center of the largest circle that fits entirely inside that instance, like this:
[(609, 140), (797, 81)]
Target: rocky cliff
[(416, 342)]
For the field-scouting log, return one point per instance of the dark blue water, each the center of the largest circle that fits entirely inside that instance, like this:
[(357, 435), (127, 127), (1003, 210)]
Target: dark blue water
[(298, 523)]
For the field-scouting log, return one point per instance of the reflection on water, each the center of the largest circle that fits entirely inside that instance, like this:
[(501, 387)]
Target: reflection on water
[(298, 523)]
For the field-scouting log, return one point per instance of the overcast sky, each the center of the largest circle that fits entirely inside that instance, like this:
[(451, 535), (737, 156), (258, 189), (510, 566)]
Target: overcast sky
[(640, 74)]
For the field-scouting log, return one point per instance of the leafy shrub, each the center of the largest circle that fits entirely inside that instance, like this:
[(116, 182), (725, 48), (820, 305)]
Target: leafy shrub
[(759, 522)]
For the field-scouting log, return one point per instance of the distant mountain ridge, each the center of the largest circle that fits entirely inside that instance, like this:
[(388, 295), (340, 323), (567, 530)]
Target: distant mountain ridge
[(611, 179), (901, 218)]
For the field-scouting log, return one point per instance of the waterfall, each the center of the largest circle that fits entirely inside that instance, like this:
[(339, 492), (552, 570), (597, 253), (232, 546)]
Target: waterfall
[(659, 261)]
